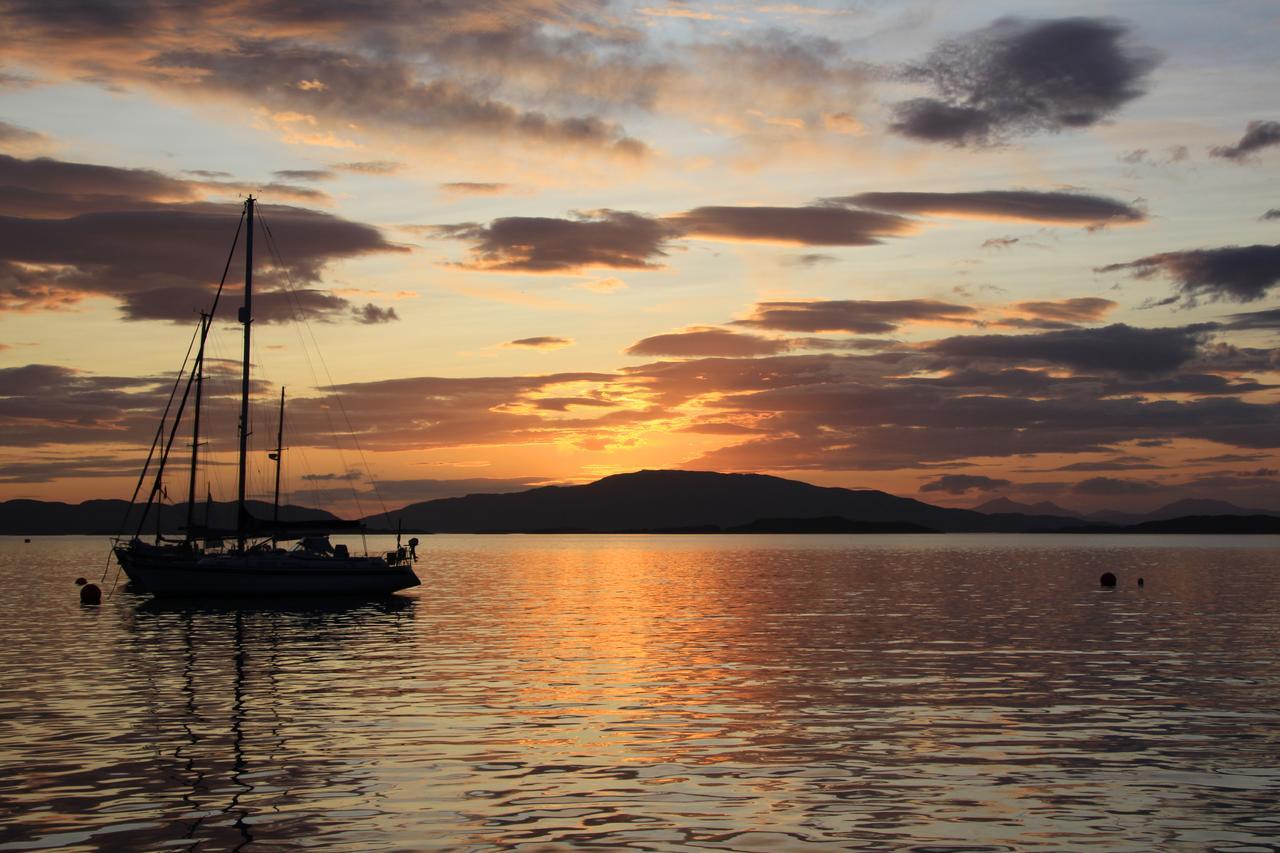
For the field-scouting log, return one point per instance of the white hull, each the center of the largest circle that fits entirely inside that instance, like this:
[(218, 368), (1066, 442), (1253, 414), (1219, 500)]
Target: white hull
[(269, 574)]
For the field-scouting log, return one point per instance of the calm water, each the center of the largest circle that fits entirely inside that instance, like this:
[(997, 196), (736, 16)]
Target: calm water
[(754, 693)]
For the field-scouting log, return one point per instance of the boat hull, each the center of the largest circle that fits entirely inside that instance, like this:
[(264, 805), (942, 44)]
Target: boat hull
[(271, 574)]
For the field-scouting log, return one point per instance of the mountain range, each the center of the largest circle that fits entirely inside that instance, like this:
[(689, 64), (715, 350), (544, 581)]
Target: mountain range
[(674, 501), (112, 517), (1177, 509)]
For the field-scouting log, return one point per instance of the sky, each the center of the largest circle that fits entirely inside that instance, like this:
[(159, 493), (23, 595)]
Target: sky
[(951, 250)]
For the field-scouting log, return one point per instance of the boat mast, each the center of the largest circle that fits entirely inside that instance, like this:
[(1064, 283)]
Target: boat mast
[(195, 428), (246, 319), (278, 456)]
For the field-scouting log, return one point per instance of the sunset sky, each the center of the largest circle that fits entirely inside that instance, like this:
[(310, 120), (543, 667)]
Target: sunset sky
[(952, 250)]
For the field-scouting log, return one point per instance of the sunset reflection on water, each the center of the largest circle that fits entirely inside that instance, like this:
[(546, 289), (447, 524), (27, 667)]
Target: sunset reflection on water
[(738, 692)]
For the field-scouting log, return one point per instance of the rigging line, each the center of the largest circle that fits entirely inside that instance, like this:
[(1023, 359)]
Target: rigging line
[(337, 396), (142, 475), (299, 321), (203, 334), (155, 442)]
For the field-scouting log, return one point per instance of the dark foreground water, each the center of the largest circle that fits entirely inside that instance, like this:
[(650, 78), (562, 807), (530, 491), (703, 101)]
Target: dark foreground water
[(755, 693)]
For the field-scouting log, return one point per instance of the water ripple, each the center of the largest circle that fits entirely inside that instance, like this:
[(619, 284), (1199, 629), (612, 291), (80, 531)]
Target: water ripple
[(746, 693)]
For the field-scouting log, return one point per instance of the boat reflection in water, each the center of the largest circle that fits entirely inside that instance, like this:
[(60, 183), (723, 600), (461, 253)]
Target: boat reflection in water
[(241, 727)]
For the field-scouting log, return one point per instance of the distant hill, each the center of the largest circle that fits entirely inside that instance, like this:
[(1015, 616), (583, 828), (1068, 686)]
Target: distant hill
[(668, 500), (1222, 524), (1178, 509), (651, 501), (108, 517), (1003, 504)]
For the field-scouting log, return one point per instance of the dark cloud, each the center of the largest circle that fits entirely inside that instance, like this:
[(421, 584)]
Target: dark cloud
[(707, 342), (1021, 205), (1123, 463), (1020, 77), (1268, 319), (1083, 309), (474, 188), (207, 173), (1113, 382), (66, 19), (1000, 242), (822, 422), (43, 405), (44, 187), (48, 187), (719, 428), (564, 404), (1111, 486), (1223, 357), (333, 476), (1257, 135), (370, 314), (1118, 347), (541, 342), (867, 317), (304, 174), (959, 484), (426, 412), (1224, 458), (809, 259), (623, 240), (603, 238), (862, 344), (542, 71), (1273, 213), (46, 469), (144, 238), (183, 304), (813, 225), (1230, 273)]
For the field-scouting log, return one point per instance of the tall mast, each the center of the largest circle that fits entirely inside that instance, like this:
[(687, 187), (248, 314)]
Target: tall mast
[(279, 457), (246, 319), (195, 428)]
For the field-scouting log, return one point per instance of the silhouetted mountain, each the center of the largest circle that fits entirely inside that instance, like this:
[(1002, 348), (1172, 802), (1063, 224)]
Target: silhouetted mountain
[(108, 517), (653, 501), (1177, 509), (1115, 517), (1003, 504), (664, 500), (1204, 506), (1222, 524)]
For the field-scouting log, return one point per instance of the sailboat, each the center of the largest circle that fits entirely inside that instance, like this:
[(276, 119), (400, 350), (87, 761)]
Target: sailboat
[(249, 560)]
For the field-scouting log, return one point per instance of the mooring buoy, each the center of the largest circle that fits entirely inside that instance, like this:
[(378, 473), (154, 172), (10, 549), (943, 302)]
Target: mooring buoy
[(1107, 579), (90, 594)]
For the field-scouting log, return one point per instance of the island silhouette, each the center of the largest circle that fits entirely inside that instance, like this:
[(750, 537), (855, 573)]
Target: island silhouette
[(675, 501)]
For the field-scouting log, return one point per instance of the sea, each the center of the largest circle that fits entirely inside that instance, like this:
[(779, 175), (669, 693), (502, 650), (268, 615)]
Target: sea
[(930, 692)]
